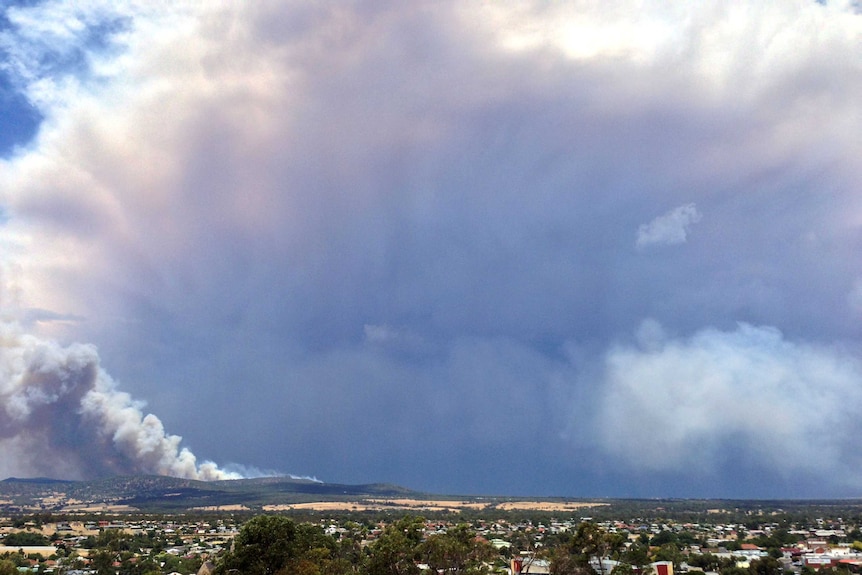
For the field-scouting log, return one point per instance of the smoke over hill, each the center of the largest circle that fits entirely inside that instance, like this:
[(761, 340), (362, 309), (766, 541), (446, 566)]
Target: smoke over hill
[(61, 415)]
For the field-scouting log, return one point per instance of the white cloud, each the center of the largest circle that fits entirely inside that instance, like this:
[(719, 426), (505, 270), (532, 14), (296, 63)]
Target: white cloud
[(691, 405), (670, 228)]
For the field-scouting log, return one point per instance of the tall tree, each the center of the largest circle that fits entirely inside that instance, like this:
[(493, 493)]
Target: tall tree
[(8, 567), (765, 566), (589, 542), (396, 551), (263, 546), (103, 562), (457, 552), (637, 555)]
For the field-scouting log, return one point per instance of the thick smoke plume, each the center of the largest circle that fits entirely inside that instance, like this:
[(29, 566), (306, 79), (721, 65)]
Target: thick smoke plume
[(61, 415)]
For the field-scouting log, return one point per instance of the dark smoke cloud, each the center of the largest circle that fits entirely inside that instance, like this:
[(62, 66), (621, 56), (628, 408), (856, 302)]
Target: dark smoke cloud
[(63, 416)]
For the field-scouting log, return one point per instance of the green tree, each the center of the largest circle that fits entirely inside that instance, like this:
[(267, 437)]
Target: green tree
[(8, 567), (623, 569), (669, 552), (349, 551), (589, 541), (643, 538), (637, 555), (103, 562), (147, 565), (663, 538), (25, 539), (457, 552), (274, 545), (396, 550), (114, 539), (686, 538), (765, 566), (263, 546), (705, 561), (316, 553)]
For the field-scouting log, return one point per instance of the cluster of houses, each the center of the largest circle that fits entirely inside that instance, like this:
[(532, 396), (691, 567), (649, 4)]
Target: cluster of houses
[(816, 548), (189, 542), (198, 542)]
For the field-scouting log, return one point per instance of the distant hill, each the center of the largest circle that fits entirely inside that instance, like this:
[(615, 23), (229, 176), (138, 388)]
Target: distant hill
[(158, 493), (35, 480)]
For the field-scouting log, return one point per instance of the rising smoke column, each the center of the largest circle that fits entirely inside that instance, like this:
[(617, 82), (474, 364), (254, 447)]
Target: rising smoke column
[(61, 415)]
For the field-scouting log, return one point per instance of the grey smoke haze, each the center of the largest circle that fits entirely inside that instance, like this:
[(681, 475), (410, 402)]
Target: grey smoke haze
[(701, 394), (419, 241), (63, 416)]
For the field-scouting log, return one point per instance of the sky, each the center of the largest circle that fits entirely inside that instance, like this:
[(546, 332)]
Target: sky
[(586, 249)]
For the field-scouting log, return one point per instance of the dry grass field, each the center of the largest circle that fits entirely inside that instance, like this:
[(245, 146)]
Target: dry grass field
[(432, 505), (44, 551)]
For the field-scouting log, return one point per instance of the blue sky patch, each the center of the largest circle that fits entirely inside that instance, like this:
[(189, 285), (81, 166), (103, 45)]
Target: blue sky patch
[(19, 121)]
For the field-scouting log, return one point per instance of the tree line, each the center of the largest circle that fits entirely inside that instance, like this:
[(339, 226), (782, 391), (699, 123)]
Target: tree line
[(275, 545)]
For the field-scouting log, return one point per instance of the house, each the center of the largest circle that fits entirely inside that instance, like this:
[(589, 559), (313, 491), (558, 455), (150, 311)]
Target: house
[(662, 567), (528, 565)]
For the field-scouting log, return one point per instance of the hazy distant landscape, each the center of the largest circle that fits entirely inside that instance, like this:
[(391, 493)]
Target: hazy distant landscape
[(161, 494), (168, 494)]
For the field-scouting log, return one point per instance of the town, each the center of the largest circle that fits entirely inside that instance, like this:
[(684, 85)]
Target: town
[(519, 542)]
